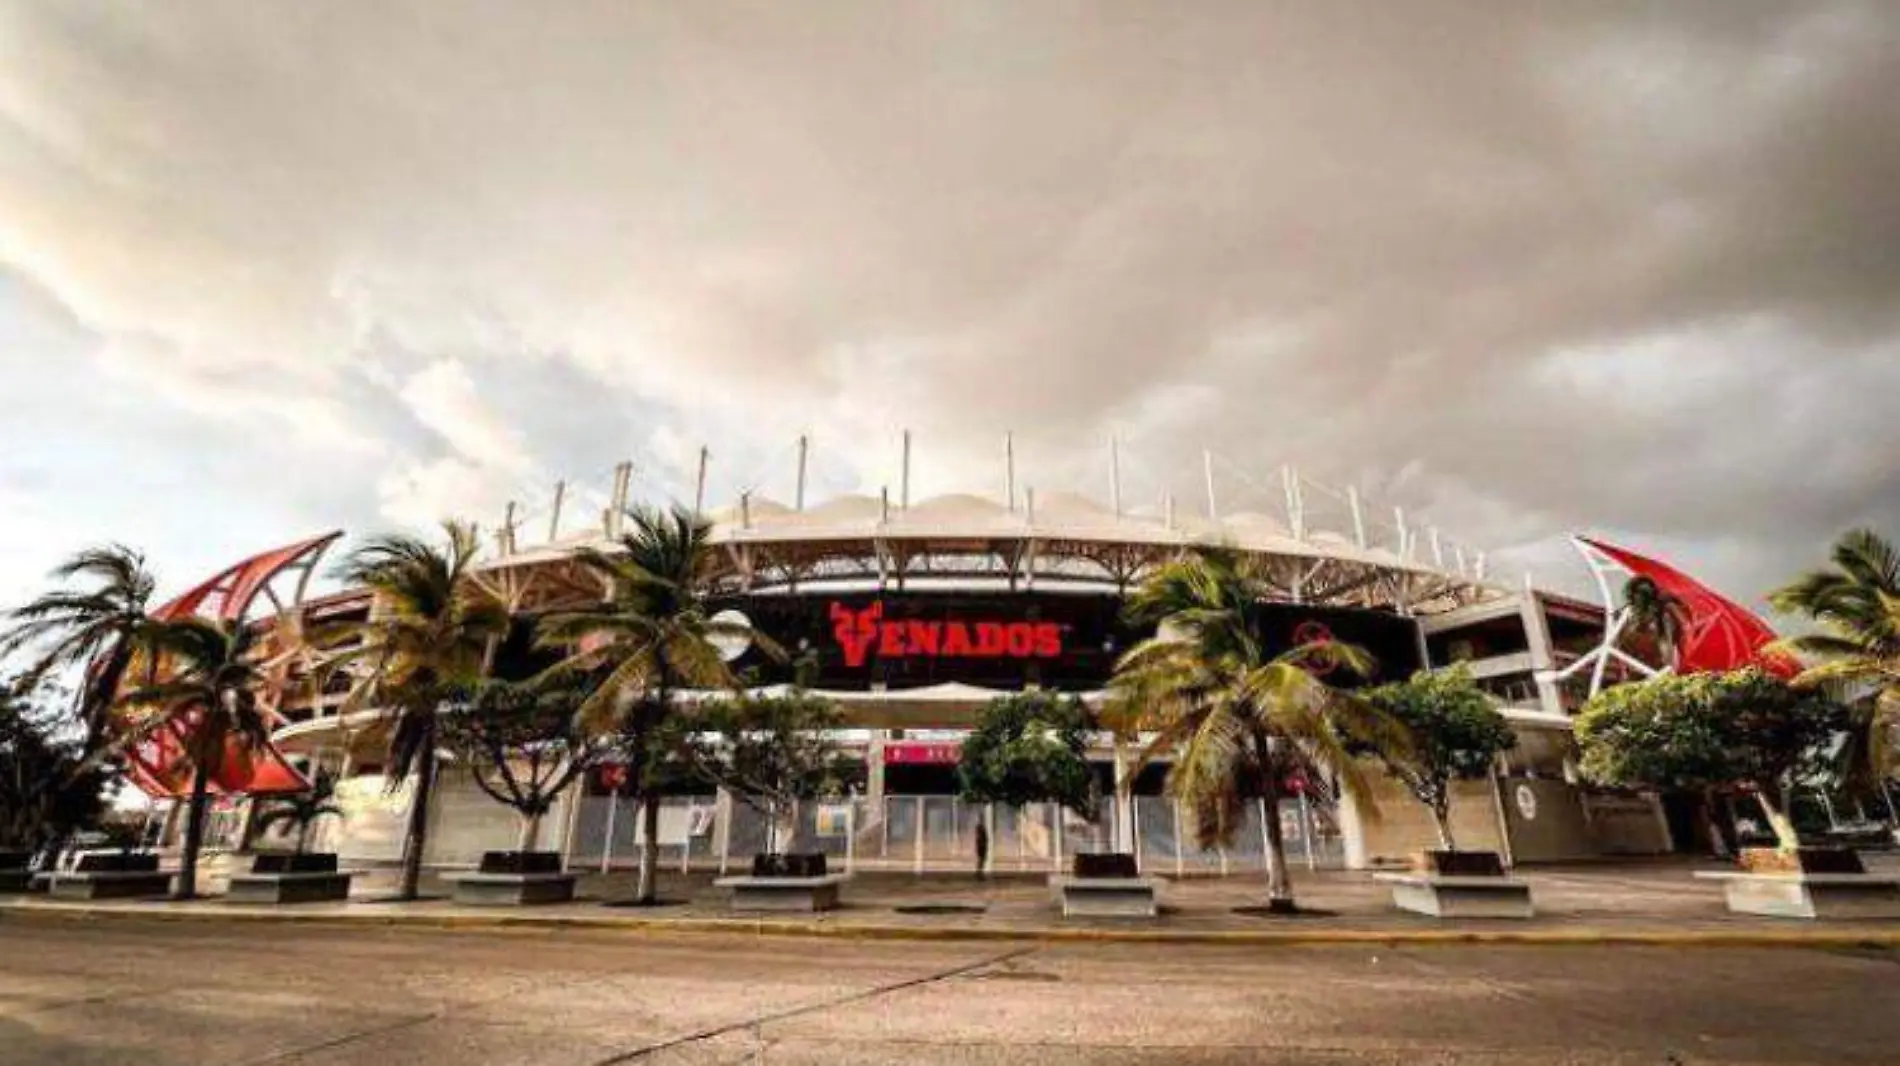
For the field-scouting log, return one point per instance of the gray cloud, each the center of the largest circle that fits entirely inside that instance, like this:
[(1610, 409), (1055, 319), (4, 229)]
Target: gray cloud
[(1523, 268)]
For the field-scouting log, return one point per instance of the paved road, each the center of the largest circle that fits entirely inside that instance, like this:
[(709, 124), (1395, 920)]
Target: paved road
[(118, 992)]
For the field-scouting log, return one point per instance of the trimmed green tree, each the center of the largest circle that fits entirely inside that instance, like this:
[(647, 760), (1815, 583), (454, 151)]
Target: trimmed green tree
[(1711, 732), (770, 752), (523, 745), (1030, 747), (1457, 734)]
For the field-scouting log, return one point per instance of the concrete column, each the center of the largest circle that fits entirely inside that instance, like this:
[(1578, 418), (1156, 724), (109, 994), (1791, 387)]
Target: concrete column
[(722, 827), (1124, 805), (1543, 659), (1352, 831), (571, 802), (1497, 811), (874, 769)]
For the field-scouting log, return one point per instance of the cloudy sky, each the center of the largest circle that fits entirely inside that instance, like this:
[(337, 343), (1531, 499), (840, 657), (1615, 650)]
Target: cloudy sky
[(1522, 268)]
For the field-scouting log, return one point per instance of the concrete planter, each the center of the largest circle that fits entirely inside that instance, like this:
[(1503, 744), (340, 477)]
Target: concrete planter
[(281, 878), (1806, 883), (1105, 885), (1460, 884), (790, 895), (1803, 860), (515, 879), (1106, 897)]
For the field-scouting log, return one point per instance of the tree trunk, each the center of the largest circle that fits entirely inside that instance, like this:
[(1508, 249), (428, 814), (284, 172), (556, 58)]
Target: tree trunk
[(647, 890), (417, 837), (1722, 844), (1279, 884), (785, 829), (303, 836), (1785, 835), (530, 831), (1441, 820), (187, 886)]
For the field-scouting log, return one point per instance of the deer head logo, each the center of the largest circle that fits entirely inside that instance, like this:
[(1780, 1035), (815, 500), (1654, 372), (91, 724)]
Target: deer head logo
[(856, 630)]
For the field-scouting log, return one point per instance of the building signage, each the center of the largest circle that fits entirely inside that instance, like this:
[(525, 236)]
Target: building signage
[(1063, 641), (1526, 799), (914, 753), (861, 631)]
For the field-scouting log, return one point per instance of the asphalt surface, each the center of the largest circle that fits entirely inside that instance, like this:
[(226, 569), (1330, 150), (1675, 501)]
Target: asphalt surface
[(155, 993)]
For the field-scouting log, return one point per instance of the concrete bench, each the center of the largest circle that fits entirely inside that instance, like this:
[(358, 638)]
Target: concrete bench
[(289, 887), (1105, 897), (1447, 896), (1806, 895), (511, 890), (800, 895)]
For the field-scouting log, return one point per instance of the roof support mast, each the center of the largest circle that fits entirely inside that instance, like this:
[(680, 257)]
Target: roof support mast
[(1295, 504), (617, 504), (554, 515), (1115, 475), (1295, 521), (903, 487), (1009, 471), (505, 536), (804, 454), (1207, 471), (699, 484)]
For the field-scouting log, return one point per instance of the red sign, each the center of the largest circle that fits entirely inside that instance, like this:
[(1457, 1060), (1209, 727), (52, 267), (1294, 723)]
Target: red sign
[(861, 631), (1313, 632), (917, 753)]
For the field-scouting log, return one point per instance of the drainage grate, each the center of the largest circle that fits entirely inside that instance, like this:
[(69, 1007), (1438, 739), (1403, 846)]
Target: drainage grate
[(1268, 912), (941, 908)]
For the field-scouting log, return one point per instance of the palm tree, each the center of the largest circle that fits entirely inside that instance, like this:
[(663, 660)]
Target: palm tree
[(651, 636), (1856, 605), (1657, 614), (1237, 717), (303, 809), (212, 677), (432, 630), (97, 629)]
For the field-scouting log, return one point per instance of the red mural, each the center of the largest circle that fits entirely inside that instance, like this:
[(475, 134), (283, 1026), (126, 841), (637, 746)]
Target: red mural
[(1720, 634), (159, 765)]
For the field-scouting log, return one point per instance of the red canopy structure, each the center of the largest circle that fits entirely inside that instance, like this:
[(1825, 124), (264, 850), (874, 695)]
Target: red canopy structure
[(160, 765), (1718, 633)]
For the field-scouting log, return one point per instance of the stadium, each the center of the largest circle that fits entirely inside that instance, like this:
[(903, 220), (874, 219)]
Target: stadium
[(913, 614)]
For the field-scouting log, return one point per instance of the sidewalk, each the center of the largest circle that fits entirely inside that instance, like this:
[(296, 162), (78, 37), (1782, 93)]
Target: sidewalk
[(1648, 903)]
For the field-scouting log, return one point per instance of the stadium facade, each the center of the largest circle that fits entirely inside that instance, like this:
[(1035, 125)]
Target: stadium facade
[(916, 614)]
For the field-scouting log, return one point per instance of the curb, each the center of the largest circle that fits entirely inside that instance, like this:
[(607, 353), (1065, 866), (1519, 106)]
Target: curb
[(1884, 937)]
